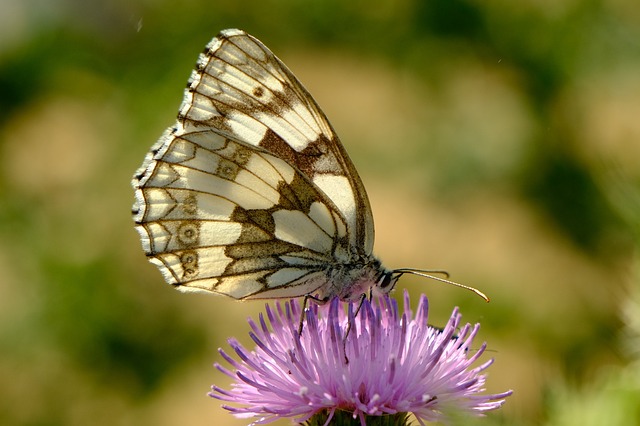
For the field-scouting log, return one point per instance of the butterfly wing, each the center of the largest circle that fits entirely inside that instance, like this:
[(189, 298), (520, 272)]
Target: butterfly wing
[(250, 194), (219, 215), (240, 88)]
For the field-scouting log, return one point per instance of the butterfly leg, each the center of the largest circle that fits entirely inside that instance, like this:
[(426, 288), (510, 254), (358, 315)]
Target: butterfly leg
[(363, 296), (305, 302), (322, 301)]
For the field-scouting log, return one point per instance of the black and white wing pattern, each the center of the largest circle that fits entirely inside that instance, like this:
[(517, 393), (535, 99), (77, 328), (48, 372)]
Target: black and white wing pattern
[(250, 193)]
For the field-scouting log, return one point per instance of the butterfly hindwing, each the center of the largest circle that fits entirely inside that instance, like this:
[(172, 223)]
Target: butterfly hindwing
[(220, 215)]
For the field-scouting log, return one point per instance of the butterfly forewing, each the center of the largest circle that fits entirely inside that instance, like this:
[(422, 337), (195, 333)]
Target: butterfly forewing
[(240, 88), (250, 194)]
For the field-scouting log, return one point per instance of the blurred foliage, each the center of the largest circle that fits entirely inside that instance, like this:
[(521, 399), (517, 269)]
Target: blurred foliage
[(499, 139)]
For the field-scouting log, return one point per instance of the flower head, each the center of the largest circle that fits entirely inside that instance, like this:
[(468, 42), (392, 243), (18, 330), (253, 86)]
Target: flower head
[(394, 363)]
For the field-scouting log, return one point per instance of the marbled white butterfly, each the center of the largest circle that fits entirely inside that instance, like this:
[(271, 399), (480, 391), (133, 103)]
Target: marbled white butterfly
[(251, 194)]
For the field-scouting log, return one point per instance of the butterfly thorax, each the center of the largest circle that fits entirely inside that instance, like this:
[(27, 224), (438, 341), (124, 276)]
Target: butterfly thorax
[(349, 281)]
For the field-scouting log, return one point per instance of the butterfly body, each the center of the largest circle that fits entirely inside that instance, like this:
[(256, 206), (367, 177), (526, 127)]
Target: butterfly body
[(251, 194)]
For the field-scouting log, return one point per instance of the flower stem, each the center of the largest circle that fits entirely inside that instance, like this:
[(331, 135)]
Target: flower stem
[(345, 418)]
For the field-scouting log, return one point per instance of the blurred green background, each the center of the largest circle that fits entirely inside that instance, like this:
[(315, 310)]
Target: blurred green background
[(498, 140)]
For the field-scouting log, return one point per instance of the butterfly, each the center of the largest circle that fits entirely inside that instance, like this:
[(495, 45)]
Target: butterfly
[(251, 194)]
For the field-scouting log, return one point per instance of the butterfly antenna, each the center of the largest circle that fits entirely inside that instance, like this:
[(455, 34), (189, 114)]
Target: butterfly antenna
[(427, 273)]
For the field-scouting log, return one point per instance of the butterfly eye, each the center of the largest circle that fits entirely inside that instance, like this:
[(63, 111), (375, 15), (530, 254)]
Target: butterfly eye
[(386, 280)]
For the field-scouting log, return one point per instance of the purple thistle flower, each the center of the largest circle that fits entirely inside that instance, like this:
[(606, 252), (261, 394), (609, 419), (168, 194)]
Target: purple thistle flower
[(397, 364)]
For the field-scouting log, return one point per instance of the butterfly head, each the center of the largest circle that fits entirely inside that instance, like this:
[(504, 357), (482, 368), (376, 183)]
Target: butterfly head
[(370, 277), (387, 281)]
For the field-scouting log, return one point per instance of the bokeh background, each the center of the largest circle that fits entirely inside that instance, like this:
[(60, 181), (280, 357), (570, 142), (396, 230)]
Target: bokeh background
[(498, 140)]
